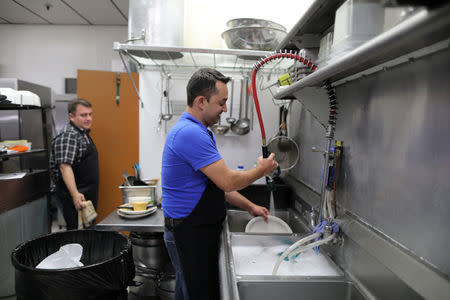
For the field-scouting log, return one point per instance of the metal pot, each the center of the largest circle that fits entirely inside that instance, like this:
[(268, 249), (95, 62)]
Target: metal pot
[(147, 192), (165, 288), (149, 252), (147, 288)]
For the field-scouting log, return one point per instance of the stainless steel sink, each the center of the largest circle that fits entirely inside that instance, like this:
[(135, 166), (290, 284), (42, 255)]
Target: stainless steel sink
[(256, 255), (294, 290), (238, 219), (247, 259)]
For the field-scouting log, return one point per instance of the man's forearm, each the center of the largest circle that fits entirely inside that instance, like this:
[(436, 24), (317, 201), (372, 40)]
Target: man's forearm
[(68, 178), (240, 179), (238, 200)]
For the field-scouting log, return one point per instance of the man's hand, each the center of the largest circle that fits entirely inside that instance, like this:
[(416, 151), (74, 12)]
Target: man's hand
[(78, 200), (267, 165), (256, 210)]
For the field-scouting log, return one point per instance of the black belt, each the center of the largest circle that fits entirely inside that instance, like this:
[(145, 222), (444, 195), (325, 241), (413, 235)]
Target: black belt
[(172, 223)]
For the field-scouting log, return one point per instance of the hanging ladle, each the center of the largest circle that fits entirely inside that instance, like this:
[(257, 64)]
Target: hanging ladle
[(230, 119), (220, 129), (165, 94), (242, 126)]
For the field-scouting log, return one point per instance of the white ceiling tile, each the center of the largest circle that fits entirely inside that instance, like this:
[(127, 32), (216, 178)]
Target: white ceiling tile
[(14, 13), (98, 12), (123, 6), (58, 12)]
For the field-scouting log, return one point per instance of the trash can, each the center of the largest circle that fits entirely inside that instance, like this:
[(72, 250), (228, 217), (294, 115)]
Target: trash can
[(108, 267)]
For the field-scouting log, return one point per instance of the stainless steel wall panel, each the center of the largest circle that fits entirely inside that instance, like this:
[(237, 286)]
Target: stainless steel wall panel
[(9, 125), (10, 237), (23, 223), (307, 132), (31, 127), (396, 165), (395, 168), (35, 218)]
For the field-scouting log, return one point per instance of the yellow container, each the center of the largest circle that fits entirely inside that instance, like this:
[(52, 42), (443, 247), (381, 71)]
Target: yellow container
[(140, 205)]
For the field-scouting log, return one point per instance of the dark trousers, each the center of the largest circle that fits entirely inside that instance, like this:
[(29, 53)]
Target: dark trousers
[(70, 214)]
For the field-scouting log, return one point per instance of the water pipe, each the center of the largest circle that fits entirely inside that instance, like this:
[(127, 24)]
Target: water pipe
[(256, 67), (294, 250), (312, 245), (329, 135), (292, 247)]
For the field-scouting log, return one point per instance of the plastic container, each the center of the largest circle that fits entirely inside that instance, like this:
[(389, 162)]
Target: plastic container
[(108, 267), (356, 22), (325, 48)]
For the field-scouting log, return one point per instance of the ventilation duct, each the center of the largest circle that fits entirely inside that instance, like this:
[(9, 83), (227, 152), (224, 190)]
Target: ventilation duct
[(156, 23)]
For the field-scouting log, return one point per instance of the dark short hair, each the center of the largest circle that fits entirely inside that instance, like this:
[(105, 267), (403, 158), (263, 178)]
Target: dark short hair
[(72, 106), (203, 83)]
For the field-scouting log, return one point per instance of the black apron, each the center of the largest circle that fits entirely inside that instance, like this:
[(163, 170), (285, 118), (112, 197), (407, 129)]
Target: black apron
[(86, 177), (197, 239)]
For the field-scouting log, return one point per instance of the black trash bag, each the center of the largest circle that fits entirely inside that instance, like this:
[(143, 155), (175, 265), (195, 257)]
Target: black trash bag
[(108, 267)]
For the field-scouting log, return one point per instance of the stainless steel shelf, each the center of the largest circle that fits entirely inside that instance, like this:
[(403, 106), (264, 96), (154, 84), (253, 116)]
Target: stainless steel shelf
[(162, 56), (5, 156), (307, 31), (10, 106), (17, 192), (423, 29)]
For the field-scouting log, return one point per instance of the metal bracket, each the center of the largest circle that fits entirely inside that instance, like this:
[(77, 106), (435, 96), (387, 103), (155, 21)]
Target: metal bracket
[(118, 88), (131, 78)]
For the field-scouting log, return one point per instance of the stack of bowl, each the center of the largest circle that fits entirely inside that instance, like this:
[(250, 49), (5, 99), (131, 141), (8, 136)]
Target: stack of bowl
[(253, 34)]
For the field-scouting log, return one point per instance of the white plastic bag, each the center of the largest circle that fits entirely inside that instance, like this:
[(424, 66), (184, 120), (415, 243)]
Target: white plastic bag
[(68, 256)]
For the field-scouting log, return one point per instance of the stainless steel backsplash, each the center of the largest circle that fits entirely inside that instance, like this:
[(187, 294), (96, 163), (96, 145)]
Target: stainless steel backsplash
[(395, 168)]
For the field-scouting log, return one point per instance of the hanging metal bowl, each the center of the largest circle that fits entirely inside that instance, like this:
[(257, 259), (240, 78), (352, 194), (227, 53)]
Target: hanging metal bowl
[(253, 38), (242, 22)]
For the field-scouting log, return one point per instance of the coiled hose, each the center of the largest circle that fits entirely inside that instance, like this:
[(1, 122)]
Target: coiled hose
[(257, 66), (327, 85)]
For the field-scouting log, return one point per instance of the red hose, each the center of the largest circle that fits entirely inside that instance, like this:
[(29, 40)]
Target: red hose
[(258, 65), (258, 110)]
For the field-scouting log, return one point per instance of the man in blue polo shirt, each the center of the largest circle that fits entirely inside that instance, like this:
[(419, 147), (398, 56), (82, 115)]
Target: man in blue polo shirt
[(196, 182)]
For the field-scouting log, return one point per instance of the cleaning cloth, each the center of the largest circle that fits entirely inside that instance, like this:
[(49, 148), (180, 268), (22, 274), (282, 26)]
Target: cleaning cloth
[(321, 228)]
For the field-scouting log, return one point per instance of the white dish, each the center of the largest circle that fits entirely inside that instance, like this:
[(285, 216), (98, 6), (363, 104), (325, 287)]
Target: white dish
[(274, 225), (130, 211), (137, 216)]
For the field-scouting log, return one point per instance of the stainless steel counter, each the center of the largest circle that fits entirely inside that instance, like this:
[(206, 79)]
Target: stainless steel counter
[(151, 223)]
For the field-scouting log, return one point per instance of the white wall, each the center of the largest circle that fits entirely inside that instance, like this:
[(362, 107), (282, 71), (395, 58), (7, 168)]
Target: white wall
[(206, 20), (46, 54), (235, 150)]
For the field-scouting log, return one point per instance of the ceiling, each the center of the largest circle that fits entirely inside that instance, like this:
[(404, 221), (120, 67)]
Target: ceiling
[(64, 12)]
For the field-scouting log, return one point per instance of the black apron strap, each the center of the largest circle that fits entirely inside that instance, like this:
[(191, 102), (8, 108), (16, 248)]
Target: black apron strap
[(197, 240), (87, 178)]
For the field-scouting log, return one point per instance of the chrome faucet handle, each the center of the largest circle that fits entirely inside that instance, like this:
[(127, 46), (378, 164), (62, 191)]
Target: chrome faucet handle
[(313, 217), (328, 230)]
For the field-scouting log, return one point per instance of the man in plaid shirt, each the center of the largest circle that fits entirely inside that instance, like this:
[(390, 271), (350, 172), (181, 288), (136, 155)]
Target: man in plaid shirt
[(74, 163)]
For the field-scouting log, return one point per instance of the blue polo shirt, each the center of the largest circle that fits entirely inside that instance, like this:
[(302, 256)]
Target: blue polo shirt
[(188, 148)]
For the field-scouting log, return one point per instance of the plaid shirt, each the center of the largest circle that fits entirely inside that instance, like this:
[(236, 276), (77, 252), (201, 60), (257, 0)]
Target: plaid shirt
[(68, 147)]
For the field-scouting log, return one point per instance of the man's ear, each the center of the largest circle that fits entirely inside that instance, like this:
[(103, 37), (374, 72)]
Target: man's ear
[(200, 101), (71, 116)]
